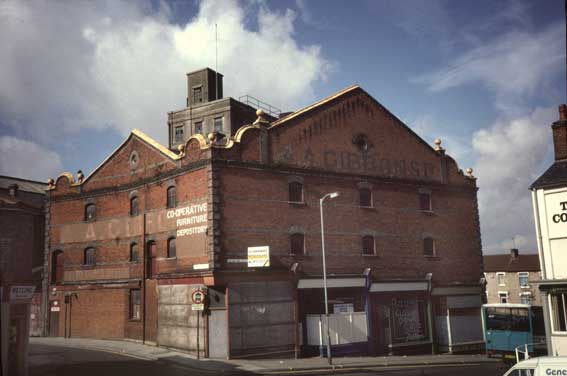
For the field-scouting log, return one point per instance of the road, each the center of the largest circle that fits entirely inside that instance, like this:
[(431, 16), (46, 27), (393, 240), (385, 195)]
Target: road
[(53, 360)]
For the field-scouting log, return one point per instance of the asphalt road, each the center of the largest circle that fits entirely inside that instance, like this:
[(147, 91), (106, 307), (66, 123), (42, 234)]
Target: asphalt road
[(53, 360)]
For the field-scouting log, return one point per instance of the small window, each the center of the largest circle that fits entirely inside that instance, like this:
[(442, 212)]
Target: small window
[(525, 299), (365, 196), (134, 252), (297, 244), (429, 246), (559, 312), (89, 256), (295, 192), (198, 127), (57, 266), (425, 201), (178, 134), (135, 304), (218, 124), (523, 279), (90, 212), (171, 252), (171, 197), (368, 245), (134, 206), (503, 296), (197, 94), (501, 278)]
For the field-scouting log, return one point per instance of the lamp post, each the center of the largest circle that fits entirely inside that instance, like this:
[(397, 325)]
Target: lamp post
[(328, 195)]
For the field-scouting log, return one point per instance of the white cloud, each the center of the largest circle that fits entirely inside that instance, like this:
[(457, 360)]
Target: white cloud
[(28, 160), (511, 155), (512, 66), (121, 64)]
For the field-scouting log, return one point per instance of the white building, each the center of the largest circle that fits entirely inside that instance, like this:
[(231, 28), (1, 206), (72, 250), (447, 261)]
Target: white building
[(549, 196)]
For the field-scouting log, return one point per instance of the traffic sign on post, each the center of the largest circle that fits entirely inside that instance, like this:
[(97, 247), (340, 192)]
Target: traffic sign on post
[(198, 297)]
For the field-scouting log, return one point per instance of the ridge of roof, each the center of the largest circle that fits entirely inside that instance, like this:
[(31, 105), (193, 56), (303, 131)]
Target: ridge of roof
[(314, 105), (505, 263)]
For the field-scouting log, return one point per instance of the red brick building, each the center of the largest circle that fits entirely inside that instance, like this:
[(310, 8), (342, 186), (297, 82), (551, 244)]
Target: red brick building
[(130, 243)]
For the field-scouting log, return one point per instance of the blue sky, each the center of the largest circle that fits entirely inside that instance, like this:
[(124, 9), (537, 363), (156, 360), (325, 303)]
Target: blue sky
[(484, 76)]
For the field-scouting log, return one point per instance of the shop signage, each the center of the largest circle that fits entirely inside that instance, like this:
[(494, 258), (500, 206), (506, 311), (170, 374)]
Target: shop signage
[(21, 292), (560, 217), (258, 257), (343, 308)]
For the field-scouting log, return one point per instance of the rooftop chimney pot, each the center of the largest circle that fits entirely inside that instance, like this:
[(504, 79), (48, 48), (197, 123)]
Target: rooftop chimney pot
[(514, 253), (563, 112)]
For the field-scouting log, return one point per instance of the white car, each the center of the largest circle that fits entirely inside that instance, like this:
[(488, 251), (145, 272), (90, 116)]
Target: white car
[(540, 366)]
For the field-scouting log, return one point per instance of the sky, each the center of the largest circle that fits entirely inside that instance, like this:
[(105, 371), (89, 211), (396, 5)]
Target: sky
[(484, 76)]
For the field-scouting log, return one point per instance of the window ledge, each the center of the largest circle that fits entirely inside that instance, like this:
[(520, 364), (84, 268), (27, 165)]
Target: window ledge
[(171, 258), (427, 212), (373, 208), (297, 203), (369, 254), (135, 320), (432, 257), (526, 287)]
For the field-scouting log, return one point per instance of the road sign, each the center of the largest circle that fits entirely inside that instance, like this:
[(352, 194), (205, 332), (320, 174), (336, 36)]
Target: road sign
[(197, 307), (198, 297)]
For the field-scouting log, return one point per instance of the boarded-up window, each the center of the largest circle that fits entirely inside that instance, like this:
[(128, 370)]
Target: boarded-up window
[(89, 256), (171, 252), (90, 212), (134, 206), (365, 196), (135, 304), (134, 252), (171, 197), (151, 254), (368, 245), (429, 246), (297, 244), (295, 192), (425, 201), (57, 266)]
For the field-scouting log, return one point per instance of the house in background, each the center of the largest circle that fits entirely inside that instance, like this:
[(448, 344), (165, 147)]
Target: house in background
[(512, 278), (22, 234)]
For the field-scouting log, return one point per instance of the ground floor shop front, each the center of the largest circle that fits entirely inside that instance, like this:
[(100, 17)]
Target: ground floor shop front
[(554, 301), (274, 315)]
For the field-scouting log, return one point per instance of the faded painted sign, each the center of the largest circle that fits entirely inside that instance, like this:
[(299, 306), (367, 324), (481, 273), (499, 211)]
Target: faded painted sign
[(21, 292), (189, 220)]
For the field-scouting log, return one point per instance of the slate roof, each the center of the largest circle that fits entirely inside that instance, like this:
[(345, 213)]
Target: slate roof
[(556, 174), (506, 263), (23, 184)]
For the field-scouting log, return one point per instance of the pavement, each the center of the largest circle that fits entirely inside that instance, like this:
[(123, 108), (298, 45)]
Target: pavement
[(313, 365)]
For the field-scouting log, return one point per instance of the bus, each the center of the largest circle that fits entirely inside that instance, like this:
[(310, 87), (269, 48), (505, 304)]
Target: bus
[(508, 326)]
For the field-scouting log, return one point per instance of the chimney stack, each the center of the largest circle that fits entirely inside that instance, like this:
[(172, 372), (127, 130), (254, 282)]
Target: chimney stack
[(514, 253), (560, 134)]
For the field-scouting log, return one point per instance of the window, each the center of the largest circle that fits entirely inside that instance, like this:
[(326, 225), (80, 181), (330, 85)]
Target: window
[(197, 94), (295, 192), (89, 256), (503, 296), (171, 252), (218, 124), (523, 372), (559, 312), (404, 329), (425, 201), (135, 304), (171, 197), (57, 266), (501, 278), (90, 212), (525, 299), (178, 134), (297, 244), (368, 245), (134, 206), (365, 196), (429, 246), (134, 252), (523, 279), (198, 127)]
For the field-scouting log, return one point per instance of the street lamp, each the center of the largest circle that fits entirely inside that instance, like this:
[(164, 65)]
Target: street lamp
[(328, 195)]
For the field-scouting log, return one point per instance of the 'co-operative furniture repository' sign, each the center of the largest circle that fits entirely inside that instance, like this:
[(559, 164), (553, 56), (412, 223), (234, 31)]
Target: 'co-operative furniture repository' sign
[(189, 220)]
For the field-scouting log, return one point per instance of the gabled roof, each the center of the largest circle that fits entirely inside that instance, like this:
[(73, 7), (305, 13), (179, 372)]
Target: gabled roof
[(507, 263), (24, 185), (556, 174), (143, 137)]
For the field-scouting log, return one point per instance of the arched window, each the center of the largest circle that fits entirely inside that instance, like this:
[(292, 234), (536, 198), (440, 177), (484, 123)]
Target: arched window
[(171, 197), (297, 244), (368, 247), (134, 206), (90, 212), (365, 196), (134, 252), (429, 246), (171, 251), (89, 256), (57, 266), (295, 192)]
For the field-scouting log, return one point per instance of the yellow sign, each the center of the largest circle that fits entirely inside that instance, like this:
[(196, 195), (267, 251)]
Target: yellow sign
[(258, 257)]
